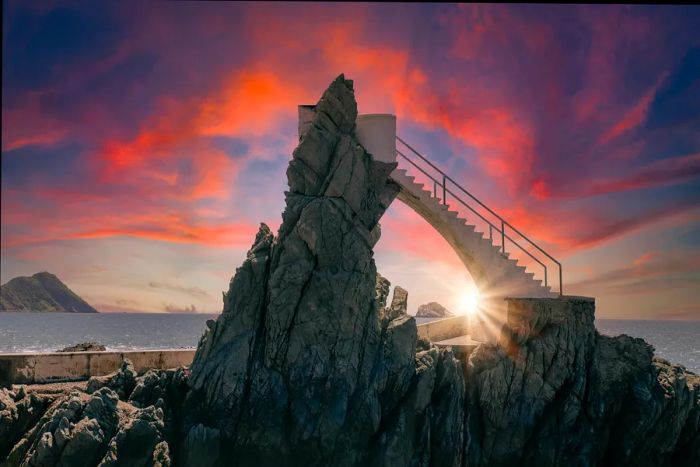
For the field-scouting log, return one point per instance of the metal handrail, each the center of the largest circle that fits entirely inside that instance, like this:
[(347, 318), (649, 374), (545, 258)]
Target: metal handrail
[(501, 231), (503, 222)]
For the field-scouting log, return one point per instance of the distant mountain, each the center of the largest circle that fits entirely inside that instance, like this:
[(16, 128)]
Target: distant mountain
[(433, 310), (41, 292)]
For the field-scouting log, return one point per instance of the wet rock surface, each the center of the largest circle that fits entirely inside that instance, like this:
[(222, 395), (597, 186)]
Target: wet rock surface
[(312, 363)]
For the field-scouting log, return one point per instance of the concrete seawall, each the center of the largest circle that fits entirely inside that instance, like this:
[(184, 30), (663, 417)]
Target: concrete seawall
[(22, 368)]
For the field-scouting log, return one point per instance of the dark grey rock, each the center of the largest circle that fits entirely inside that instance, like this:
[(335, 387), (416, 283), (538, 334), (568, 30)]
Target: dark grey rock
[(18, 414), (306, 362), (73, 431), (89, 430), (554, 392), (138, 441), (121, 381), (84, 347)]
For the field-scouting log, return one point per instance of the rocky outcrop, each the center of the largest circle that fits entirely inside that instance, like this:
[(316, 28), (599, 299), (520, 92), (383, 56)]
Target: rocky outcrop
[(555, 392), (433, 310), (305, 360), (85, 430), (19, 412), (84, 347), (41, 292), (311, 364), (121, 381), (116, 422)]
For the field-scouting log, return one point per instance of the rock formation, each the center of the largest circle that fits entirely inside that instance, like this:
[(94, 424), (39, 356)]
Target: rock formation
[(122, 381), (433, 310), (305, 360), (41, 292), (84, 347), (555, 392), (310, 365), (116, 422)]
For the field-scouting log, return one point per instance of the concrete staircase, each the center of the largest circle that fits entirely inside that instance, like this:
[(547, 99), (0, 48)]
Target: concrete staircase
[(495, 271)]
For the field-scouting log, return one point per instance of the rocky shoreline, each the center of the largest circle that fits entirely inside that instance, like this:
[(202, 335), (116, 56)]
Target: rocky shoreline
[(311, 364)]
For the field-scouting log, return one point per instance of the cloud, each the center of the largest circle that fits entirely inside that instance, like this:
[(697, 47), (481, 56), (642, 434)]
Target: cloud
[(179, 309), (649, 273), (191, 290), (635, 116), (667, 171), (174, 228), (687, 312)]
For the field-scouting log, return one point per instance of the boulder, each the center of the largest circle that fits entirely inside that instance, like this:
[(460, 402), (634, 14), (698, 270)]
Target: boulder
[(121, 381), (84, 347)]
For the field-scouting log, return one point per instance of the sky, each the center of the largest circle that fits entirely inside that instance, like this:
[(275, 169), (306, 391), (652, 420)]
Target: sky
[(144, 142)]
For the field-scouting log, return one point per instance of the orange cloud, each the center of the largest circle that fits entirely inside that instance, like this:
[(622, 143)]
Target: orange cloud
[(248, 103), (170, 228)]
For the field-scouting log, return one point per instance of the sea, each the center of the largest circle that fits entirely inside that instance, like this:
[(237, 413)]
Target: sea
[(676, 341)]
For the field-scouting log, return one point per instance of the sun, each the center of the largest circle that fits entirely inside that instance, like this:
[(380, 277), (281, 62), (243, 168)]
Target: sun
[(469, 302)]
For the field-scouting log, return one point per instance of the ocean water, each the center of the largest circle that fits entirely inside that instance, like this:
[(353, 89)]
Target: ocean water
[(676, 341), (48, 332)]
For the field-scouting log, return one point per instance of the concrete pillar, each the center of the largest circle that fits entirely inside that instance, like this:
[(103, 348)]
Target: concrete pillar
[(377, 133)]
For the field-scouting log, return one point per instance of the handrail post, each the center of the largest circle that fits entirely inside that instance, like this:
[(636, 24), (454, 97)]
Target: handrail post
[(561, 284), (545, 276), (434, 188), (444, 191), (503, 237), (491, 233)]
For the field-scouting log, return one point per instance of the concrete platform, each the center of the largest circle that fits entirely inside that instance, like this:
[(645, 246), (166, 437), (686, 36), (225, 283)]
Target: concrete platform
[(444, 328), (461, 341)]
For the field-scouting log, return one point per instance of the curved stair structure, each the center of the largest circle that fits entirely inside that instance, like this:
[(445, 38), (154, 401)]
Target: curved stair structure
[(494, 273), (493, 261)]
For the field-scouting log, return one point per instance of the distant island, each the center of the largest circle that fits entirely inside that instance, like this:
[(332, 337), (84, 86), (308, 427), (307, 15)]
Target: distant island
[(42, 292), (433, 310)]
